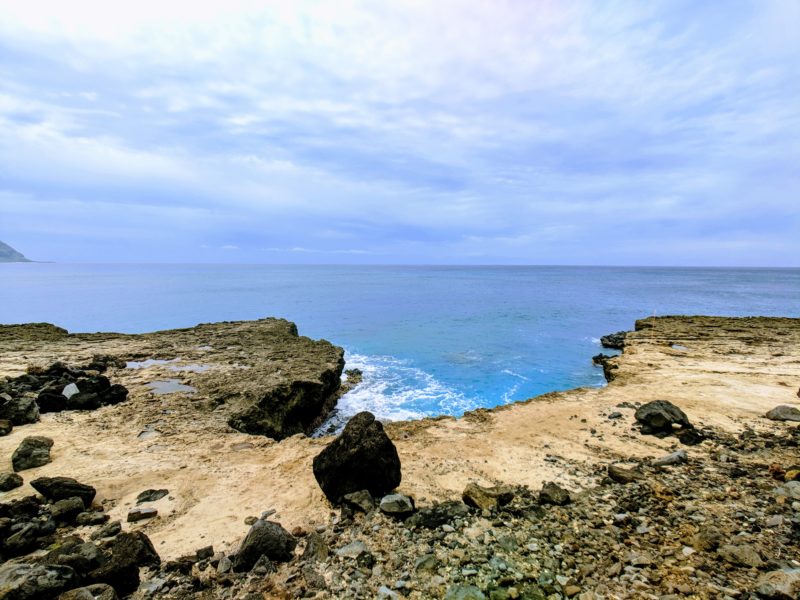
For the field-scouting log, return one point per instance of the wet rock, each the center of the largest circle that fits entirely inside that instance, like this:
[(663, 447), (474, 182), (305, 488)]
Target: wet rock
[(615, 341), (361, 458), (98, 591), (741, 554), (675, 458), (20, 410), (661, 416), (784, 412), (61, 488), (5, 427), (783, 584), (33, 452), (623, 475), (140, 514), (151, 495), (397, 505), (20, 581), (67, 510), (361, 500), (552, 493), (487, 497), (9, 481), (265, 538)]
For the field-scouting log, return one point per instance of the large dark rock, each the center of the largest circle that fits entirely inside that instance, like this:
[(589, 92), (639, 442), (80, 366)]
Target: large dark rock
[(34, 451), (361, 458), (61, 488), (661, 416), (20, 581), (265, 538), (614, 340), (73, 552), (784, 412), (20, 410), (129, 551)]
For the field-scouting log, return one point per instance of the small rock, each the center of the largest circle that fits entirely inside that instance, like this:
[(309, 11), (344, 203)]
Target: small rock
[(464, 592), (552, 493), (676, 458), (397, 505), (623, 475), (352, 550), (107, 531), (151, 496), (660, 416), (91, 518), (614, 340), (139, 514), (99, 591), (9, 481), (204, 553), (361, 500), (224, 566), (487, 497), (742, 554), (67, 510), (316, 549), (784, 412), (33, 452), (691, 437), (30, 582), (5, 427), (707, 538)]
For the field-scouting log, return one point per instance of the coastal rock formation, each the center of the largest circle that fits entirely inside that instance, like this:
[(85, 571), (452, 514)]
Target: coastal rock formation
[(361, 458), (615, 341), (784, 412), (8, 254), (61, 488), (34, 451)]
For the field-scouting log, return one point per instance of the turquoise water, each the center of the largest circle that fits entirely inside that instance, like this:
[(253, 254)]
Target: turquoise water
[(430, 340)]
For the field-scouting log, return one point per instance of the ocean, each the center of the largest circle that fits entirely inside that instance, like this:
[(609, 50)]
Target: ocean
[(430, 340)]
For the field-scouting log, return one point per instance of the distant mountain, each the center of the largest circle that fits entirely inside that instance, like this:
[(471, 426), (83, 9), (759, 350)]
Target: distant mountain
[(8, 254)]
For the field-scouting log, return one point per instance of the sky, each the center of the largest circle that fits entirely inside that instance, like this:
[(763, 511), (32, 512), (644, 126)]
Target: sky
[(447, 132)]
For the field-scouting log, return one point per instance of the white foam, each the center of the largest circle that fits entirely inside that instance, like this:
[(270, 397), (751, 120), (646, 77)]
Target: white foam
[(513, 374)]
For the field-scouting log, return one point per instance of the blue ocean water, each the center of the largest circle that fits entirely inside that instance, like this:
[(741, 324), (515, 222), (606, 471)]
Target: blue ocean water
[(430, 340)]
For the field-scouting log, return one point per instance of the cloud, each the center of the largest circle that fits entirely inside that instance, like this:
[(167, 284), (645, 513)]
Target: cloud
[(500, 131)]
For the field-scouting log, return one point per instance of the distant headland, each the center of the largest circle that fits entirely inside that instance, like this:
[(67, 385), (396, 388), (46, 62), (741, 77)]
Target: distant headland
[(8, 254)]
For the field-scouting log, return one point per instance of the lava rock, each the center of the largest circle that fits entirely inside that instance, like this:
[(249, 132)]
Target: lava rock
[(21, 581), (265, 538), (33, 452), (691, 437), (361, 458), (660, 416), (129, 551), (151, 496), (91, 518), (487, 497), (439, 514), (361, 500), (51, 400), (108, 530), (9, 481), (61, 488), (67, 510), (19, 410), (784, 412), (6, 427), (552, 493)]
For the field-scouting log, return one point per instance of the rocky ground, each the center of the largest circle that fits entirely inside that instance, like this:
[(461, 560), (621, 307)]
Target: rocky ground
[(721, 519)]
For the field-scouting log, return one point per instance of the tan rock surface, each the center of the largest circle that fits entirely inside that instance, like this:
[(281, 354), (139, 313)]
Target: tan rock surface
[(724, 373)]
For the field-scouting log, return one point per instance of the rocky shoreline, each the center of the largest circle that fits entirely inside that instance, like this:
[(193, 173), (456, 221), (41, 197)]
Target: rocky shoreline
[(679, 479)]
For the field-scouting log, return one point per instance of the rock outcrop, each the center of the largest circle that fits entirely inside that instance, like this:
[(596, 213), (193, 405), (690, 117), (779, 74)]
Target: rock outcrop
[(661, 417), (34, 451), (361, 458), (8, 254), (265, 538)]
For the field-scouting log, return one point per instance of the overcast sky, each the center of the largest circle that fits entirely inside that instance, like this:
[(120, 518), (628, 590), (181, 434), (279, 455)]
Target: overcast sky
[(662, 133)]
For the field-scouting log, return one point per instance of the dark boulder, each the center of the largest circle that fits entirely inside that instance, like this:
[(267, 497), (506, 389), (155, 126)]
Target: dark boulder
[(67, 510), (61, 488), (6, 427), (361, 458), (33, 452), (83, 401), (9, 481), (661, 417), (51, 400), (73, 552), (552, 493), (21, 581), (20, 410), (265, 538), (114, 395), (439, 514), (614, 340), (784, 412), (129, 551), (151, 495)]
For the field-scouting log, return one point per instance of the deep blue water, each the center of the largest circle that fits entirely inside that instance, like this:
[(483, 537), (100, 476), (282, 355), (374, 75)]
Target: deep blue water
[(430, 340)]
